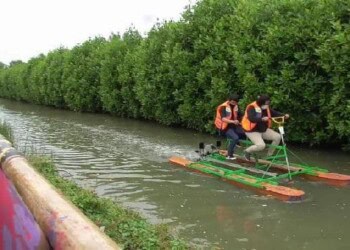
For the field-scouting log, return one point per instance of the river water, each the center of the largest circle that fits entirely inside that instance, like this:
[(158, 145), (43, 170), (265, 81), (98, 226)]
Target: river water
[(126, 160)]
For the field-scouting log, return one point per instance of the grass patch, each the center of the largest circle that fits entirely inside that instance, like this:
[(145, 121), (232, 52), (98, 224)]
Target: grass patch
[(125, 227)]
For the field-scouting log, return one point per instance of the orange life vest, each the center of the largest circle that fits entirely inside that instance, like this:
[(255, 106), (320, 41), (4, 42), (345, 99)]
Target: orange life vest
[(219, 123), (247, 124)]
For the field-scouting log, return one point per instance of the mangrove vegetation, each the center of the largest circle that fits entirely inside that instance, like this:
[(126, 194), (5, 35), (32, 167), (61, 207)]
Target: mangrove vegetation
[(295, 50)]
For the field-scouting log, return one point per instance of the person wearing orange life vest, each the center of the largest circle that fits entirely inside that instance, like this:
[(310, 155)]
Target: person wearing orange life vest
[(227, 121), (256, 123)]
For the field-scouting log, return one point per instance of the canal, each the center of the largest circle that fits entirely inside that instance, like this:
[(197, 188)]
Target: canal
[(126, 160)]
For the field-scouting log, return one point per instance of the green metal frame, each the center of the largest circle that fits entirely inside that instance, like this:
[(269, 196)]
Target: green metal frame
[(271, 179), (282, 153), (234, 175), (237, 175)]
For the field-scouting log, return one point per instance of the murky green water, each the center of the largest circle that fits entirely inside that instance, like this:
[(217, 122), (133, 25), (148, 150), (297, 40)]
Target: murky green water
[(127, 161)]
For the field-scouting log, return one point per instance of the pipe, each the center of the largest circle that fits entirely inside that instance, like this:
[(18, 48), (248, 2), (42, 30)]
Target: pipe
[(65, 226), (19, 230)]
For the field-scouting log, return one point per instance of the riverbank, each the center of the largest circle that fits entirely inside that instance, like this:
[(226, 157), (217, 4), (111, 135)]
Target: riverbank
[(124, 226)]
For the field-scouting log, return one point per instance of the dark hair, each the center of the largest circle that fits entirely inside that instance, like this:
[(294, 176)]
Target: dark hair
[(262, 99), (233, 97)]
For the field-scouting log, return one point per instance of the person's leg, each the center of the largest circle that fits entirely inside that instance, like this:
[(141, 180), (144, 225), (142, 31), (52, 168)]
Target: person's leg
[(257, 140), (240, 132), (273, 136), (233, 139)]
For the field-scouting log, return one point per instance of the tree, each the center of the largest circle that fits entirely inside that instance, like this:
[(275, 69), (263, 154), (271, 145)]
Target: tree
[(2, 65), (15, 62)]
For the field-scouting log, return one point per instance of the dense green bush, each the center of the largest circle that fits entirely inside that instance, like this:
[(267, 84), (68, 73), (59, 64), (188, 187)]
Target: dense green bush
[(157, 75), (335, 60), (295, 50), (117, 75), (81, 76), (54, 73)]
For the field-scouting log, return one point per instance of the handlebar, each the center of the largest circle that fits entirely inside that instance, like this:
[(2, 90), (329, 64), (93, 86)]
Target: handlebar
[(279, 120)]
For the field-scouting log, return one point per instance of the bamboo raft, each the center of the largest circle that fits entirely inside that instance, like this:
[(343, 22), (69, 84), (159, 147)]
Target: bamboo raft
[(261, 175)]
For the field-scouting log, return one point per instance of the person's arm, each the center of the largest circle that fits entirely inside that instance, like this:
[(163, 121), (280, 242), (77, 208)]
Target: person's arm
[(275, 113), (252, 115), (224, 119)]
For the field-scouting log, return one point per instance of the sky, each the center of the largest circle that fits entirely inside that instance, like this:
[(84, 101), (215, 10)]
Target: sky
[(31, 27)]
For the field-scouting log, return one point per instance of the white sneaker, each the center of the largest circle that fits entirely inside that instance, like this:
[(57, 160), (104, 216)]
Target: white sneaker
[(230, 158)]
